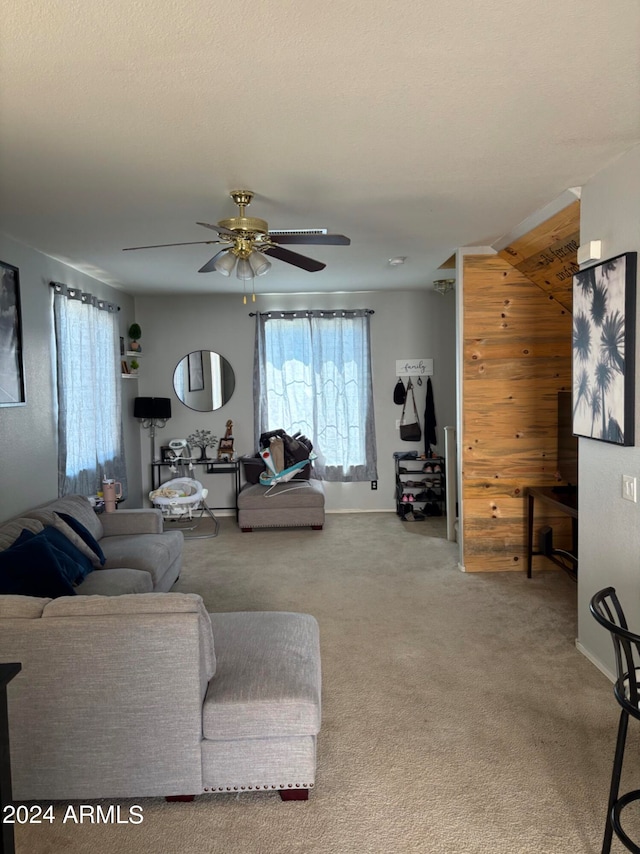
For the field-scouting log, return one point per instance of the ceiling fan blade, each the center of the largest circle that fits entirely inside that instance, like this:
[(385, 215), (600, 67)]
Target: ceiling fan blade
[(160, 245), (294, 258), (219, 228), (209, 266), (312, 239)]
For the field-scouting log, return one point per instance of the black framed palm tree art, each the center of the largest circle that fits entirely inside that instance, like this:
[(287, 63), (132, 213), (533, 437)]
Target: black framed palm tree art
[(603, 350)]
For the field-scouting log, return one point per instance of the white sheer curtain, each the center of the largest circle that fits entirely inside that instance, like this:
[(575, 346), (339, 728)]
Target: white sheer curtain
[(90, 445), (313, 376)]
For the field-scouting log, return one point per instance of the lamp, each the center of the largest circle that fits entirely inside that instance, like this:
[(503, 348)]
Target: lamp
[(250, 262), (152, 412), (259, 264), (226, 263), (243, 270)]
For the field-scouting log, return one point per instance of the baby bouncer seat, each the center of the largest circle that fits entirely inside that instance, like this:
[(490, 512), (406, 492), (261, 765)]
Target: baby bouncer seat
[(180, 499)]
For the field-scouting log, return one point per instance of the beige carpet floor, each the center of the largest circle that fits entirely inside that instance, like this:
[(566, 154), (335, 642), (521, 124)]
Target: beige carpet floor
[(458, 716)]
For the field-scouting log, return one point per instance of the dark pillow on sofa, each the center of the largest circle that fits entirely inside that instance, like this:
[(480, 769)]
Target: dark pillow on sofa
[(85, 534), (33, 567), (74, 564)]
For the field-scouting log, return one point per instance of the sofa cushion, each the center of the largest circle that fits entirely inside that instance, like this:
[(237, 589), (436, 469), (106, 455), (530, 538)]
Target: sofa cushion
[(153, 553), (85, 535), (54, 520), (147, 603), (267, 681), (10, 531), (115, 582), (21, 607), (76, 567), (36, 568), (77, 506)]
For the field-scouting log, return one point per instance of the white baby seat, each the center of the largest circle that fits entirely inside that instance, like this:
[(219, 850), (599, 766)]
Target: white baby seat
[(179, 497)]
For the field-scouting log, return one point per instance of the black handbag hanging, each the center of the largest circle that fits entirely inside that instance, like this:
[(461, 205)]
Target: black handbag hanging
[(411, 432)]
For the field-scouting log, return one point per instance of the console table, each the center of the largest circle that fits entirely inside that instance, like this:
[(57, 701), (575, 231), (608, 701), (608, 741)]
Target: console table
[(230, 467), (7, 672), (564, 499)]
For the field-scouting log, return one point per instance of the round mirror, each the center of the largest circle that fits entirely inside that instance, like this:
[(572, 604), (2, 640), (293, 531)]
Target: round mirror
[(204, 380)]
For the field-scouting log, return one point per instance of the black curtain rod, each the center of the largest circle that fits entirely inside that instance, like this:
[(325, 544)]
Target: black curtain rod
[(60, 287), (310, 311)]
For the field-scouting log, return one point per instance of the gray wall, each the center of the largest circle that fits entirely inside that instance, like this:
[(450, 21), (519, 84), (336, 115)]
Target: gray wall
[(406, 324), (28, 434), (609, 529)]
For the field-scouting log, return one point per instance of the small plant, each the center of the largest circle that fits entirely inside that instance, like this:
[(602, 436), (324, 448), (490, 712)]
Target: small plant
[(135, 364), (134, 333)]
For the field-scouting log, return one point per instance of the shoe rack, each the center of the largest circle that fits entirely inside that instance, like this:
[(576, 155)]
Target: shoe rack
[(420, 486)]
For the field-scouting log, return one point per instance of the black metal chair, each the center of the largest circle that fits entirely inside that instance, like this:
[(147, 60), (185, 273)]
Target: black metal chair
[(605, 607)]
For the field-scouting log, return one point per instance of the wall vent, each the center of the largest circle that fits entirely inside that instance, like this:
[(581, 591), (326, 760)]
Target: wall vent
[(297, 231)]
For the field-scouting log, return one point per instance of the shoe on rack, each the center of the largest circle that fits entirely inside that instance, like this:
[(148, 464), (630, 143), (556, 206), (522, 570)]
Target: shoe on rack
[(418, 516), (410, 499), (422, 496), (405, 499), (427, 468), (437, 468)]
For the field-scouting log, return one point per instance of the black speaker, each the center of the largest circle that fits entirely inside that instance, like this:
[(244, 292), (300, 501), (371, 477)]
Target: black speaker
[(152, 407)]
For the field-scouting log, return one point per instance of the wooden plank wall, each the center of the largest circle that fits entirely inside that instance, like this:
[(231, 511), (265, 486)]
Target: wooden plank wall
[(547, 254), (517, 356)]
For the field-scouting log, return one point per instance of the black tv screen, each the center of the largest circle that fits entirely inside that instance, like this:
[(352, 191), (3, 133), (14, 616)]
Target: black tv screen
[(567, 442)]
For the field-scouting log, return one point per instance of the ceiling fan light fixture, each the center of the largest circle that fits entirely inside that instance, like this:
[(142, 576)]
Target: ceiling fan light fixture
[(225, 263), (259, 264), (243, 270), (443, 286), (397, 261)]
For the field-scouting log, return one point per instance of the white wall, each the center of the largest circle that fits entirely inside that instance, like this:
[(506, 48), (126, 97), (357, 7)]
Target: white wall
[(28, 434), (406, 324), (609, 527)]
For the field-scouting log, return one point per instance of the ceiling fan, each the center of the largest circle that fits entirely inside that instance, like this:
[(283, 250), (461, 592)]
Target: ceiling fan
[(248, 240)]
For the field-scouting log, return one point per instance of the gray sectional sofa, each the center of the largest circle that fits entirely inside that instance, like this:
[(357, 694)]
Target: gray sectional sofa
[(148, 694), (127, 692), (140, 556)]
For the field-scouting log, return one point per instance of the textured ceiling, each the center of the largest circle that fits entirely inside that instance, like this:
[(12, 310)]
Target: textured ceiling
[(412, 128)]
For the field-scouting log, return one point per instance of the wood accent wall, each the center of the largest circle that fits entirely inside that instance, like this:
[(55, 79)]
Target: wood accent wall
[(547, 254), (516, 357)]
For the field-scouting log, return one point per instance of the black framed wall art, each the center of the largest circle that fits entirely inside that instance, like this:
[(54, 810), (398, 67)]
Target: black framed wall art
[(603, 350), (12, 391)]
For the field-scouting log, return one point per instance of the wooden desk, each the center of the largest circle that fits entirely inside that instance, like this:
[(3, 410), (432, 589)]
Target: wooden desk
[(564, 499), (7, 672)]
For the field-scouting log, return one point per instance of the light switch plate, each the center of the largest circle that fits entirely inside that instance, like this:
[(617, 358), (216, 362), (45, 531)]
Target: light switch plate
[(629, 487)]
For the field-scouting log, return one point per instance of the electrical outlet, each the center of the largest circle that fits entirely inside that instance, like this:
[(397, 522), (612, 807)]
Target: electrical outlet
[(629, 487), (374, 484)]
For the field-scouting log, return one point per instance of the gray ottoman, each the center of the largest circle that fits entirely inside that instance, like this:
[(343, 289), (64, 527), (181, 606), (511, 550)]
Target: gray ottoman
[(298, 503)]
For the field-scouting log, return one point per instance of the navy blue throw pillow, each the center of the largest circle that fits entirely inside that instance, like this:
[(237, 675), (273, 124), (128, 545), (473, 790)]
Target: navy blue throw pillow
[(81, 564), (85, 534), (32, 568), (74, 565)]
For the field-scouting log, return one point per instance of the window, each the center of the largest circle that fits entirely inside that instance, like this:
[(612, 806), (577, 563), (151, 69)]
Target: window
[(313, 374), (89, 396)]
